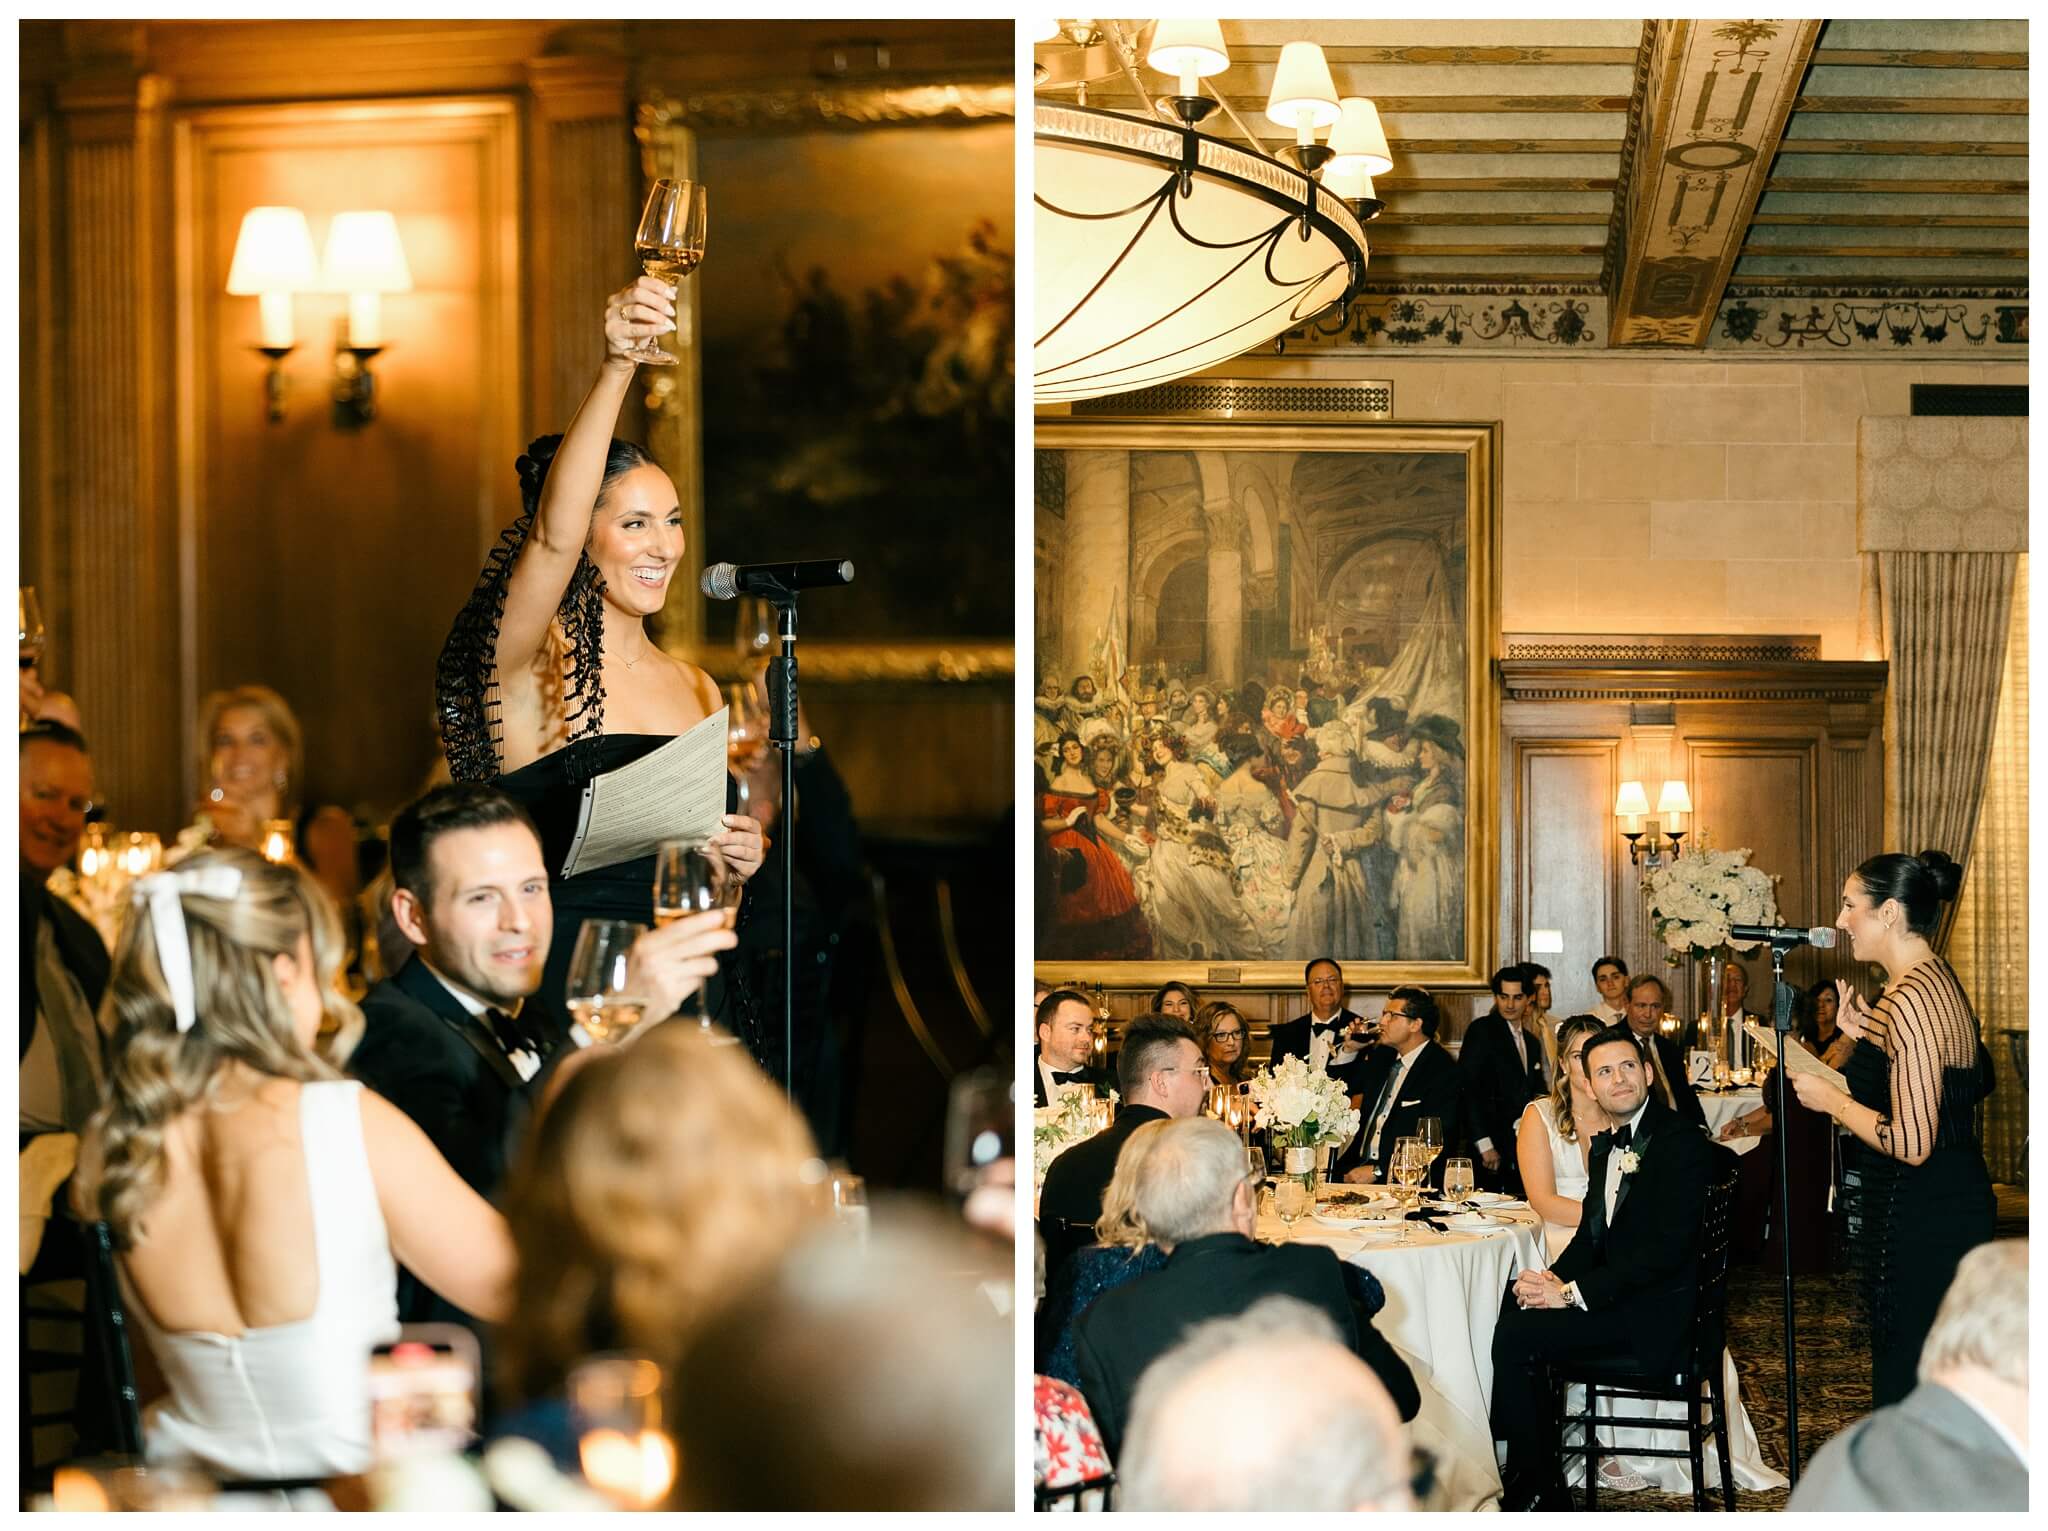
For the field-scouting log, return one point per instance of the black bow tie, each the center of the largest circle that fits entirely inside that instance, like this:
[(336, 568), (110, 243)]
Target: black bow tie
[(1623, 1135), (1078, 1076), (505, 1028)]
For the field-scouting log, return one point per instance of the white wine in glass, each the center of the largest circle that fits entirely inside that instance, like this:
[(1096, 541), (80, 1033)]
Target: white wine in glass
[(600, 993), (670, 245)]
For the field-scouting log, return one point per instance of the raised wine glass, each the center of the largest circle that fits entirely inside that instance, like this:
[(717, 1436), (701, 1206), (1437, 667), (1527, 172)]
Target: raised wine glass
[(692, 879), (600, 992), (670, 245)]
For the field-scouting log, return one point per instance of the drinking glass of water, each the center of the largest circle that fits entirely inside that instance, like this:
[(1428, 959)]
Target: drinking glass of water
[(1458, 1179)]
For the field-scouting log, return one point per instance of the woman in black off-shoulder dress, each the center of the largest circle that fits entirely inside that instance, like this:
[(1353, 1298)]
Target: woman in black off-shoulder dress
[(1915, 1079), (549, 677)]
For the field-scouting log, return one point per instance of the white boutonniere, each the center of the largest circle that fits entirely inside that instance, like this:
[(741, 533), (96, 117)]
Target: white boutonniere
[(1629, 1160)]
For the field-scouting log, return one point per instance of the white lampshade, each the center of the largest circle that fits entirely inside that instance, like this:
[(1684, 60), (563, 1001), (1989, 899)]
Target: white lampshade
[(1674, 798), (273, 253), (1188, 48), (1302, 83), (1358, 142), (1351, 185), (1631, 802), (364, 255)]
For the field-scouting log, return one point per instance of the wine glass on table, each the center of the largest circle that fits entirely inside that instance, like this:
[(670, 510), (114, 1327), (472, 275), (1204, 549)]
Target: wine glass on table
[(601, 995), (1291, 1199), (1458, 1183), (1430, 1129), (670, 244)]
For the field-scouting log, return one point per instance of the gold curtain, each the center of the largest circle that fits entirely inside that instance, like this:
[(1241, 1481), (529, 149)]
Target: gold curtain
[(1988, 940)]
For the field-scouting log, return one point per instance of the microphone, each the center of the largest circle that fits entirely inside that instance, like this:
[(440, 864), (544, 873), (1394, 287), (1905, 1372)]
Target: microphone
[(1784, 935), (723, 581)]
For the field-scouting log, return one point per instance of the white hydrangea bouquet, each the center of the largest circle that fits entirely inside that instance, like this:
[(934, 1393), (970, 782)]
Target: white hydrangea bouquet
[(1695, 898), (1305, 1109), (1057, 1128)]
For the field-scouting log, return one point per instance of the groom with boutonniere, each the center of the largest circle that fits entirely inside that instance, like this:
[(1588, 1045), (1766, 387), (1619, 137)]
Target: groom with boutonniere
[(1624, 1289)]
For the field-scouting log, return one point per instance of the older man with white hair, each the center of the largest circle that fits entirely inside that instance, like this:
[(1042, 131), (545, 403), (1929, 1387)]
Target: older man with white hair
[(1261, 1370), (1958, 1441), (1193, 1196)]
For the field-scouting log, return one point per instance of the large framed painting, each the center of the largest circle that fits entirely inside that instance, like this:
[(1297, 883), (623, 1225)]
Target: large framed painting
[(1265, 723)]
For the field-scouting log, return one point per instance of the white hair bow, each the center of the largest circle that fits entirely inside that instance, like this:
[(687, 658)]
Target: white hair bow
[(163, 892)]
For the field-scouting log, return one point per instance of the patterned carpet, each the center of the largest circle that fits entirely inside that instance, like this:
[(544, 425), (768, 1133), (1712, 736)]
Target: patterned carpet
[(1834, 1363)]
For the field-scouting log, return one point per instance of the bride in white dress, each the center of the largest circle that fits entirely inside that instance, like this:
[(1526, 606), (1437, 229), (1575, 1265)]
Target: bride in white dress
[(256, 1198), (1552, 1142)]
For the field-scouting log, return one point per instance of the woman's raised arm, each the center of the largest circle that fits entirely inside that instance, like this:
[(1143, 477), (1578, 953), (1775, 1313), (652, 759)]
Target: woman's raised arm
[(441, 1230), (561, 524)]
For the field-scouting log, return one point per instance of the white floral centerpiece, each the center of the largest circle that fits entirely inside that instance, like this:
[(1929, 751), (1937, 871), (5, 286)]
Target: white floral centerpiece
[(1694, 899), (1306, 1111), (1058, 1127)]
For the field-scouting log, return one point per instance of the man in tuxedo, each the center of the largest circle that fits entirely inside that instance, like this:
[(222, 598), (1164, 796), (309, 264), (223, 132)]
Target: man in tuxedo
[(1624, 1289), (1734, 991), (1959, 1440), (1501, 1063), (1409, 1077), (1648, 999), (1194, 1197), (449, 1038), (1160, 1077), (1610, 977), (1066, 1046), (64, 964), (1342, 1029)]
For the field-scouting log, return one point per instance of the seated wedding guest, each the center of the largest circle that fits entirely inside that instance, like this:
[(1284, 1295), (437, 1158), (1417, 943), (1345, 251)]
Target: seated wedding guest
[(1555, 1133), (664, 1177), (1820, 1025), (1262, 1371), (1537, 1017), (1410, 1078), (1341, 1030), (1648, 1000), (1502, 1063), (1065, 1053), (1959, 1440), (252, 762), (446, 1039), (1197, 1204), (1610, 977), (1123, 1251), (876, 1377), (1225, 1040), (63, 962), (1160, 1075), (257, 1200), (1625, 1286), (1176, 999)]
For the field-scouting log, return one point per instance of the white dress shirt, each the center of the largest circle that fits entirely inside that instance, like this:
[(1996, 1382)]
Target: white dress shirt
[(1390, 1097)]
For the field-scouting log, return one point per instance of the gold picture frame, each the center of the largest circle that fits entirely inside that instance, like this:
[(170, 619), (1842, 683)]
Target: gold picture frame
[(1297, 429)]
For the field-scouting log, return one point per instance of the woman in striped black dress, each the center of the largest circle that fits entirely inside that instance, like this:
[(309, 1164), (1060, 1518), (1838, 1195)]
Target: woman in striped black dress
[(1915, 1078)]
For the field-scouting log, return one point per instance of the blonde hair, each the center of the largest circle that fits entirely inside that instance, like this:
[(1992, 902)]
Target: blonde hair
[(241, 1015), (1120, 1222), (1561, 1081), (665, 1178), (277, 716)]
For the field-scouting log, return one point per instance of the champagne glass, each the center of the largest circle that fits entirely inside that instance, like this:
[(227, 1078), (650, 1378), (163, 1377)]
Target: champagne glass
[(753, 630), (1458, 1180), (670, 244), (1430, 1130), (1291, 1199), (1407, 1162), (615, 1406), (746, 727), (600, 993)]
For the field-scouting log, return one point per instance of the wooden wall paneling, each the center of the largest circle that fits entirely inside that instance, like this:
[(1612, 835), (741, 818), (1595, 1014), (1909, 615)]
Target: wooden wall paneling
[(43, 550), (1564, 847), (583, 198), (120, 619), (1763, 793), (329, 562)]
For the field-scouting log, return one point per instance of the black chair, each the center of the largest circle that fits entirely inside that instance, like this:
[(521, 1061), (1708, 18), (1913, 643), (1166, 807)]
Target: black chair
[(1075, 1495), (109, 1319), (1702, 1368)]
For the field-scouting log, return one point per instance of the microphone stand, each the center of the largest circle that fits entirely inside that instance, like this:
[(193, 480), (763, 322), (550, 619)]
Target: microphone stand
[(1781, 1023), (782, 716)]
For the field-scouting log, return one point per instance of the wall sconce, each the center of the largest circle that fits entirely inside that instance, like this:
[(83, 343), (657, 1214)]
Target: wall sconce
[(1631, 806), (1674, 803), (273, 260), (365, 260)]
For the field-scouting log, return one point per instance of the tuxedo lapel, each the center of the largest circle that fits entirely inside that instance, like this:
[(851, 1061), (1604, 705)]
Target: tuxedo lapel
[(1655, 1115), (416, 980), (1594, 1215)]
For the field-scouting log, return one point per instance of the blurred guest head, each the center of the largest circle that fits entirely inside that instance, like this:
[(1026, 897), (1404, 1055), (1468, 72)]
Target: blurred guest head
[(1734, 987), (1818, 1021), (1978, 1345), (265, 950), (471, 890), (1161, 1066), (250, 750), (56, 795), (1648, 999), (1174, 998), (851, 1378), (662, 1179), (1192, 1183), (1213, 1421), (1537, 976), (1120, 1222)]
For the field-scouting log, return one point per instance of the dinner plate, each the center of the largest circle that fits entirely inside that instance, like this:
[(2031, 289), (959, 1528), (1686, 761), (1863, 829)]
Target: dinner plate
[(1487, 1198)]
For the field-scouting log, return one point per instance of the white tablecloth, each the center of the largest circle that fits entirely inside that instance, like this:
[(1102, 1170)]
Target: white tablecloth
[(1443, 1295), (1723, 1107)]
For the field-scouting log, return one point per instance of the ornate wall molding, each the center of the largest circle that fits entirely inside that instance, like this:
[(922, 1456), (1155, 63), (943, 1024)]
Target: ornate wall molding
[(1903, 325), (1670, 648), (1558, 680), (806, 108), (1237, 398), (1422, 317), (1941, 484)]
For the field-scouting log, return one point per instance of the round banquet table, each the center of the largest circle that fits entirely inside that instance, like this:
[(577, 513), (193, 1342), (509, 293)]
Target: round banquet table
[(1443, 1295), (1723, 1106)]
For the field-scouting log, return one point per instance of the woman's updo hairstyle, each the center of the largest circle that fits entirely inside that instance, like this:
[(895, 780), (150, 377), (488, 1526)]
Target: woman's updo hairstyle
[(466, 675), (1921, 884)]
